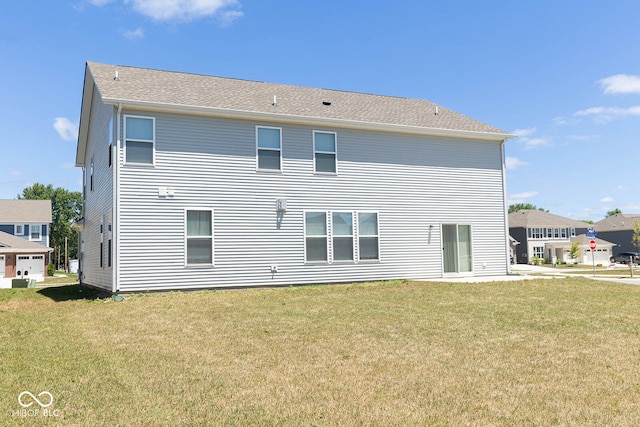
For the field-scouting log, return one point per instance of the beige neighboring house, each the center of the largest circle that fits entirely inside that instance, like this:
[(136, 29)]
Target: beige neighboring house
[(543, 235), (24, 239)]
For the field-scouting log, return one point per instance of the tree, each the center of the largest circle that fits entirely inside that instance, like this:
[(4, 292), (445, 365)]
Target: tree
[(524, 206), (66, 208), (613, 212), (635, 237), (574, 251)]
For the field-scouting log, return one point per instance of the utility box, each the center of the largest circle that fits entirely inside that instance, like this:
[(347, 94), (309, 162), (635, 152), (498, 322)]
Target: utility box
[(20, 283)]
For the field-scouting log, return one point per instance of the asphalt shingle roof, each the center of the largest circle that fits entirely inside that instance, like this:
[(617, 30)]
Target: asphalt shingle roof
[(25, 211), (536, 218), (617, 222), (12, 244), (193, 90)]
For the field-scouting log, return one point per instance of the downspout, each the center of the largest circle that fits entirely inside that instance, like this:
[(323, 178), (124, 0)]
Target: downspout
[(115, 221), (505, 208)]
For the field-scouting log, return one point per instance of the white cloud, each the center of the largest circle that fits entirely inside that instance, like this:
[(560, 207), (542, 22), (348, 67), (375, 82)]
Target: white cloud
[(138, 33), (524, 132), (608, 114), (514, 163), (536, 142), (607, 200), (228, 17), (15, 173), (99, 2), (66, 129), (620, 83), (185, 10), (67, 166), (525, 137)]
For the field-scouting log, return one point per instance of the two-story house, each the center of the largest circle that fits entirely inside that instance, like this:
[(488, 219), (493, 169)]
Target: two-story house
[(618, 229), (545, 236), (24, 239), (195, 181)]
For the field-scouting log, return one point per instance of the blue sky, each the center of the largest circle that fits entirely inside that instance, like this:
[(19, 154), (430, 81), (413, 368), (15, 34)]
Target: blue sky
[(564, 76)]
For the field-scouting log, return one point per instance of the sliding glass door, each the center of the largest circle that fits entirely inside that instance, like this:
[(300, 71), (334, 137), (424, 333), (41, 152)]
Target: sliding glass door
[(456, 248)]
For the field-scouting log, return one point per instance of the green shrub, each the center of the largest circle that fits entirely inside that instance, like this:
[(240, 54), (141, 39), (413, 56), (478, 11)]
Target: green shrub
[(51, 269)]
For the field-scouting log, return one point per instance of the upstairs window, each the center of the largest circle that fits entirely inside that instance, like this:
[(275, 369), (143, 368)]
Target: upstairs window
[(199, 237), (35, 232), (19, 230), (269, 148), (139, 139), (324, 151)]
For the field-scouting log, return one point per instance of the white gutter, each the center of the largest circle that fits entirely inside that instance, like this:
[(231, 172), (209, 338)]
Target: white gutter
[(115, 218), (303, 120)]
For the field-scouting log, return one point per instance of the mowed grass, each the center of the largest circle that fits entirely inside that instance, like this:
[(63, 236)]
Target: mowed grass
[(525, 353)]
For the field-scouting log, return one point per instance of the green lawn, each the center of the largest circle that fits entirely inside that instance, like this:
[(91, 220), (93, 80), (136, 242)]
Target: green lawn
[(526, 353)]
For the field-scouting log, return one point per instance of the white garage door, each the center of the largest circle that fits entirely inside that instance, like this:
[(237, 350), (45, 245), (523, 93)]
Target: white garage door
[(30, 265)]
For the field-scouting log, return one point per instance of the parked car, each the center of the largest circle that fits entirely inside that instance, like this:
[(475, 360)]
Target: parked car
[(623, 257)]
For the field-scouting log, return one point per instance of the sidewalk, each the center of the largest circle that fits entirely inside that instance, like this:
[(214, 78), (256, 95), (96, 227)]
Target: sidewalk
[(524, 270)]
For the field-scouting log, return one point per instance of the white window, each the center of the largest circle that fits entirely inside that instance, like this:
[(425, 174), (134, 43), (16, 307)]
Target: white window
[(368, 240), (139, 139), (538, 251), (325, 151), (563, 233), (342, 230), (573, 232), (19, 230), (334, 237), (91, 175), (199, 237), (35, 232), (269, 148), (315, 225)]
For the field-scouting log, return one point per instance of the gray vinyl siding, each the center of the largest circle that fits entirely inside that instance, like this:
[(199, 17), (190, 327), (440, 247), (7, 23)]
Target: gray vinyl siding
[(415, 183), (98, 203)]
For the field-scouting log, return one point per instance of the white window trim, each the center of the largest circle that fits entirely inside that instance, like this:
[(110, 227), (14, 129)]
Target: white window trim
[(304, 235), (357, 222), (213, 233), (15, 230), (471, 242), (31, 226), (331, 253), (335, 153), (330, 236), (91, 175), (152, 142), (279, 170)]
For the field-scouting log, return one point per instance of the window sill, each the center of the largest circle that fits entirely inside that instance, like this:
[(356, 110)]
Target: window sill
[(140, 165), (198, 266), (325, 173), (278, 171)]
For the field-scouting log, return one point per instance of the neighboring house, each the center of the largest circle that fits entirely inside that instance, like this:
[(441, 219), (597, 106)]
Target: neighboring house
[(194, 181), (24, 239), (618, 229), (28, 219), (543, 235)]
